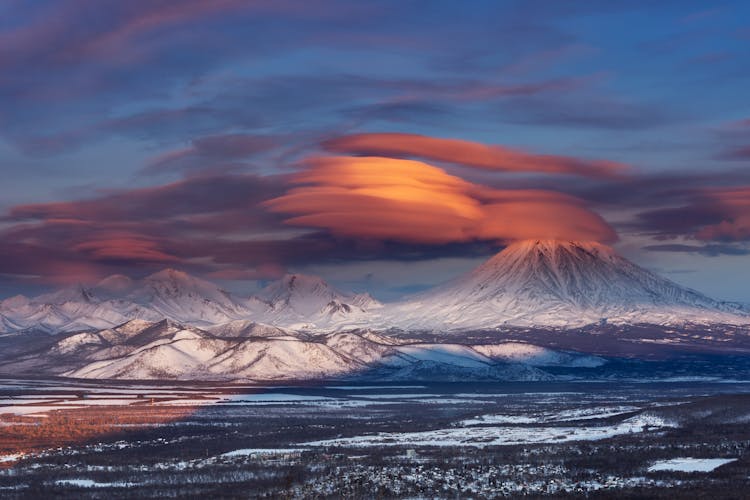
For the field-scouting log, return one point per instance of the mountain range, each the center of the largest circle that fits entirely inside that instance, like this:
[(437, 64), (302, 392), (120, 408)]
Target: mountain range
[(535, 283), (562, 301), (296, 300)]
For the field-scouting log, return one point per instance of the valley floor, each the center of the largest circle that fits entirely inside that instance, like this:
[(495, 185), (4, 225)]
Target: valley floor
[(75, 439)]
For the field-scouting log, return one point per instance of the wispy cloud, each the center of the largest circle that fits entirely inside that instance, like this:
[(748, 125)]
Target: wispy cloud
[(469, 153)]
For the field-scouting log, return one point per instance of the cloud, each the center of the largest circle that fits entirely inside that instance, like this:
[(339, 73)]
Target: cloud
[(470, 153), (140, 228), (740, 153), (206, 152), (400, 111), (735, 207), (105, 67), (734, 140), (411, 201), (262, 272), (122, 247), (210, 225), (198, 197), (588, 111), (711, 250), (709, 214)]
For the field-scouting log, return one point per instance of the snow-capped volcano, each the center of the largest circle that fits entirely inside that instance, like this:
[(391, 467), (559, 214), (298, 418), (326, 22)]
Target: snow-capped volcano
[(559, 283)]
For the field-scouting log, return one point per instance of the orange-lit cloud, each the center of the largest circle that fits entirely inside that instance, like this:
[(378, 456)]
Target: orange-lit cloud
[(470, 153), (411, 201)]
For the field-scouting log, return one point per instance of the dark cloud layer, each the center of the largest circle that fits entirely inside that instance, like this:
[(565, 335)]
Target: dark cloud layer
[(711, 250), (709, 214)]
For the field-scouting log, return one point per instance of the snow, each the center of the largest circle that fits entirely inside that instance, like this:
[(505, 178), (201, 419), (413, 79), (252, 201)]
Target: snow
[(188, 402), (393, 396), (594, 413), (445, 401), (498, 436), (690, 464), (99, 402), (32, 409), (500, 419), (177, 296), (301, 301), (90, 483), (560, 416), (454, 354), (41, 406), (169, 350), (11, 458), (370, 387), (23, 400), (261, 451), (520, 352), (272, 397), (248, 399), (499, 395)]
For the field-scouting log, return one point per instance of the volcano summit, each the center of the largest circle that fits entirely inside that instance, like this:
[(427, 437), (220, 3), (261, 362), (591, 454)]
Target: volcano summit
[(562, 284)]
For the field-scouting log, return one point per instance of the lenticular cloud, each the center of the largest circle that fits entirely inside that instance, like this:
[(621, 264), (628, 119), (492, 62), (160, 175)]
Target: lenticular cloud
[(412, 201)]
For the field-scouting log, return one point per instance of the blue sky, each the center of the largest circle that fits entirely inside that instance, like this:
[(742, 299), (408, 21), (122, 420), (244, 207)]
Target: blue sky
[(144, 134)]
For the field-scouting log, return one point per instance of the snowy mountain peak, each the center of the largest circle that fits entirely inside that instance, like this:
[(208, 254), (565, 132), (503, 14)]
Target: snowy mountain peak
[(173, 283), (552, 247), (301, 284), (72, 293), (171, 275), (550, 253), (17, 301), (305, 301), (305, 295), (560, 283), (116, 283)]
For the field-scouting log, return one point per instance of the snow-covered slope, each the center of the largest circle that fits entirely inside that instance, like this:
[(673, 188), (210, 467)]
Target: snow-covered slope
[(167, 294), (561, 284), (295, 301), (169, 350), (179, 296), (299, 300), (71, 309)]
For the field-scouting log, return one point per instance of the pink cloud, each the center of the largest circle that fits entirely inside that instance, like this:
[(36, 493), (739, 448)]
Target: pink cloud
[(473, 154)]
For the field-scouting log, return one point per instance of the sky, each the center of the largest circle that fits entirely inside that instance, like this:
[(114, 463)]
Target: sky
[(386, 146)]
